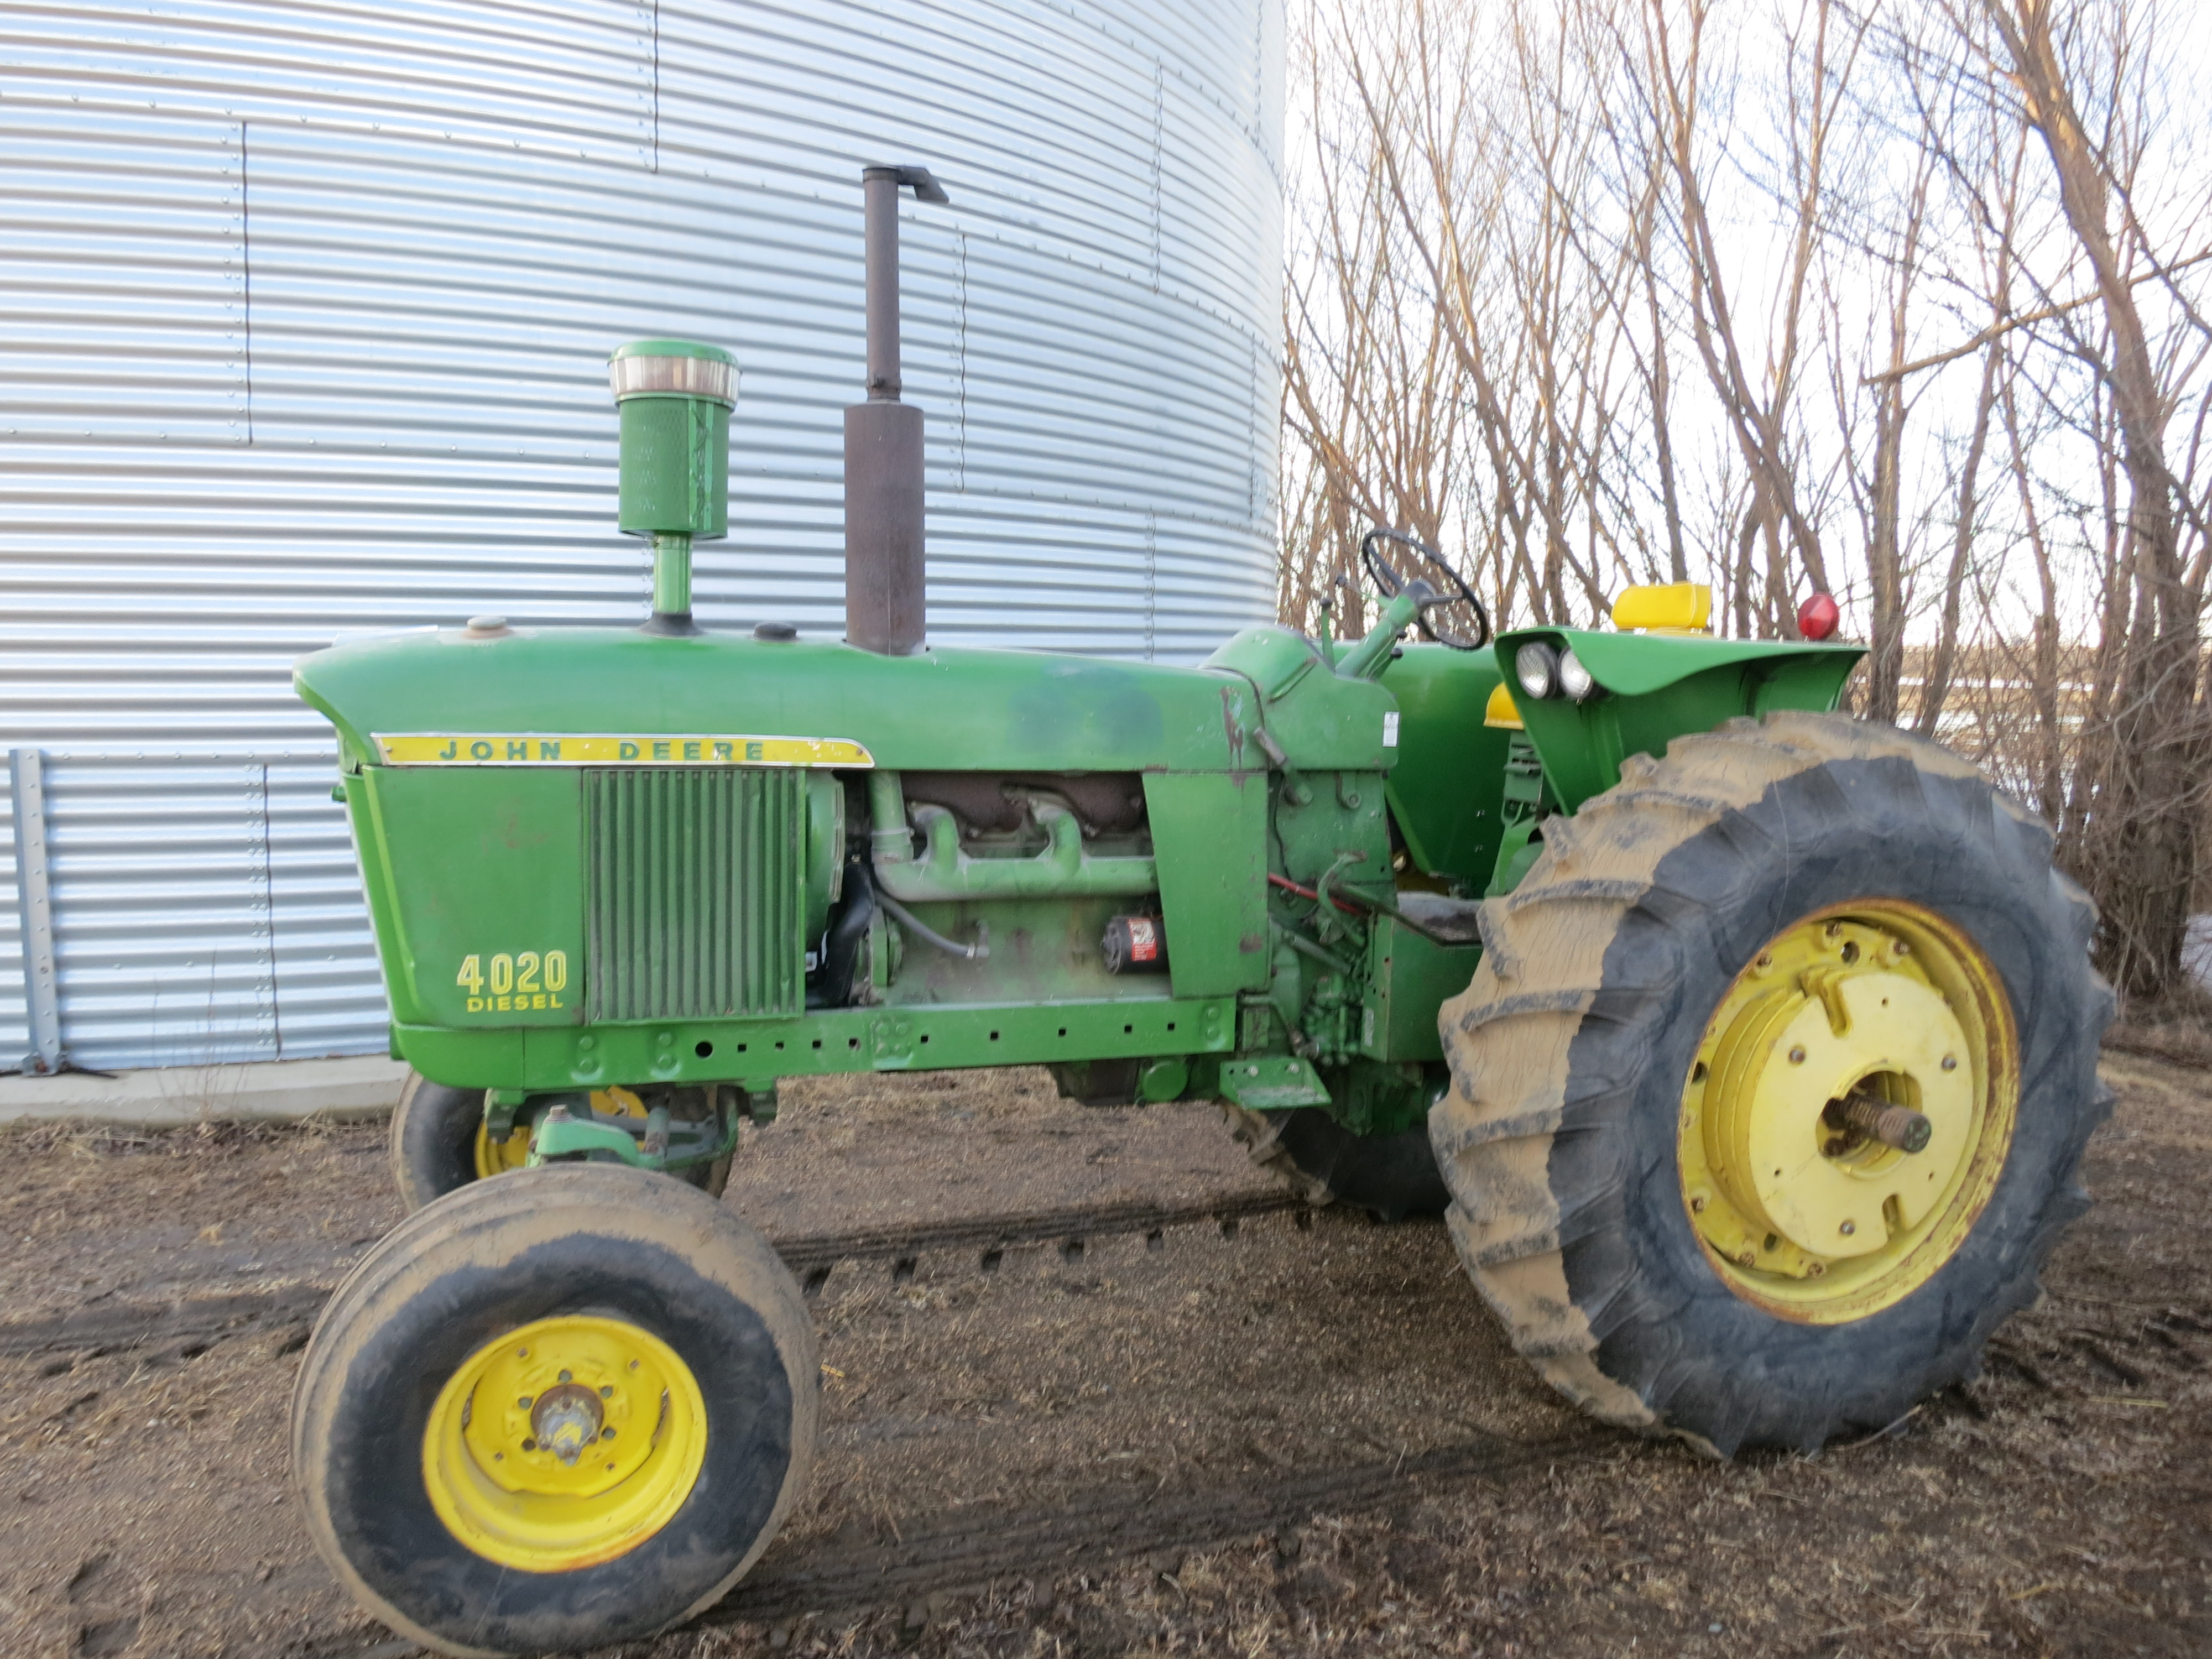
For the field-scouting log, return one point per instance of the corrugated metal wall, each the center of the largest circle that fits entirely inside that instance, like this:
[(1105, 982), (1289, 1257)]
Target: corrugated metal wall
[(302, 322), (15, 1026)]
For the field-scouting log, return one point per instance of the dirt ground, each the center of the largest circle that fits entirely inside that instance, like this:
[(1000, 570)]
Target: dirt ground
[(1304, 1438)]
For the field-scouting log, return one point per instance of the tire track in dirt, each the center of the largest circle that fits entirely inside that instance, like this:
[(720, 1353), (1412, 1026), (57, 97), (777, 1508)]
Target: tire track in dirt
[(1114, 1524), (106, 1329), (1102, 1528), (98, 1330)]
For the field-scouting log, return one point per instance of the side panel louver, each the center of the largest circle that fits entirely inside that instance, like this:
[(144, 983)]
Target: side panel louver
[(695, 885)]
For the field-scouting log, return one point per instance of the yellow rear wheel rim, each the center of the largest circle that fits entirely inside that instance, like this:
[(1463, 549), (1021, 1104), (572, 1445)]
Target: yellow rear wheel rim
[(1811, 1220), (566, 1442)]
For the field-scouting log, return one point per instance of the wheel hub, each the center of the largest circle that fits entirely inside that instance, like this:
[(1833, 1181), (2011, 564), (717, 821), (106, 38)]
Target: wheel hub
[(567, 1442), (1849, 1107), (566, 1420), (1786, 1065)]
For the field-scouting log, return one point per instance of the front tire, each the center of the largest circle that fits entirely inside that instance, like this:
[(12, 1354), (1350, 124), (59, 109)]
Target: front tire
[(438, 1144), (554, 1414), (1706, 961), (1391, 1176), (438, 1141)]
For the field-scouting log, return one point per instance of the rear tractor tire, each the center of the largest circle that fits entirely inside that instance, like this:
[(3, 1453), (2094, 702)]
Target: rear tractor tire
[(1770, 1091), (554, 1414), (440, 1143)]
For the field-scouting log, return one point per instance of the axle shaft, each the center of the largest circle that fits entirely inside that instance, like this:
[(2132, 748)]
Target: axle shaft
[(1900, 1127)]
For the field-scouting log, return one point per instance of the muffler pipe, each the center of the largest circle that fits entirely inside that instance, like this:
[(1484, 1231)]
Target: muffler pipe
[(885, 590)]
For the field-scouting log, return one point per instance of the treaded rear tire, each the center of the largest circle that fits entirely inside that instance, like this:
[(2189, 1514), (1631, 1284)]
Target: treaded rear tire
[(1568, 1053)]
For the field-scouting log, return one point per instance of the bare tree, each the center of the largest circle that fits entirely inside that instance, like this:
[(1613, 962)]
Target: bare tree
[(2141, 790), (1898, 302), (1371, 388), (1757, 406)]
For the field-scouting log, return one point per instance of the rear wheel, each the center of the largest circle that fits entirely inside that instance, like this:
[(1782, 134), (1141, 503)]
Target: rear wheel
[(1770, 1091), (440, 1141), (553, 1414)]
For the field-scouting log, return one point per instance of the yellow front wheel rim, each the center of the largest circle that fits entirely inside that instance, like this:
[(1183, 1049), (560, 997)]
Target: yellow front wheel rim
[(498, 1157), (566, 1442), (1800, 1213)]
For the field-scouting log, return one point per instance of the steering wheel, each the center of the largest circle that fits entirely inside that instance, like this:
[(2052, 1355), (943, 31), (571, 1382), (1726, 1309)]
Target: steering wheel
[(1450, 614)]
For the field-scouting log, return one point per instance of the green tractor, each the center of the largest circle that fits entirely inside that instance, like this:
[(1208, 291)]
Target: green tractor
[(1749, 1050)]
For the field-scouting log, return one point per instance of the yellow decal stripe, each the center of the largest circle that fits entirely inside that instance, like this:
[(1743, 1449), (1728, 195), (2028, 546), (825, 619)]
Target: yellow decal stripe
[(605, 748)]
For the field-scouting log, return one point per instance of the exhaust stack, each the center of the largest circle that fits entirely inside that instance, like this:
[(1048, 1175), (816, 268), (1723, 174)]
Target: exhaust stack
[(885, 594)]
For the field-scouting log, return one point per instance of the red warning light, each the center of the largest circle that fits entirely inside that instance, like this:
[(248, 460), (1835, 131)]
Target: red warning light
[(1818, 617)]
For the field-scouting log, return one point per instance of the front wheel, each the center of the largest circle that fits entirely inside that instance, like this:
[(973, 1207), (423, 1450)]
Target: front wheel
[(440, 1142), (1771, 1088), (1391, 1176), (552, 1414)]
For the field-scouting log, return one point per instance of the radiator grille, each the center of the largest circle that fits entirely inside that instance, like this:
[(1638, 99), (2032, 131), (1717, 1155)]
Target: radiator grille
[(696, 884)]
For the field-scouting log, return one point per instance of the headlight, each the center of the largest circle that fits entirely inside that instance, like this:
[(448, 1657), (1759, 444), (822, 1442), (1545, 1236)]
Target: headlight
[(1536, 666), (1575, 679)]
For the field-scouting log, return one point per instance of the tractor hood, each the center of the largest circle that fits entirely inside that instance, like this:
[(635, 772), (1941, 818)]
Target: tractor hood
[(950, 709)]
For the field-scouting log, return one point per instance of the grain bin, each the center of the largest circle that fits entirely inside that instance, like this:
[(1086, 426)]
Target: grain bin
[(306, 320)]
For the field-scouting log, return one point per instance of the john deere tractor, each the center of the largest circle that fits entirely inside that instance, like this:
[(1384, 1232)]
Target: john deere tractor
[(1749, 1049)]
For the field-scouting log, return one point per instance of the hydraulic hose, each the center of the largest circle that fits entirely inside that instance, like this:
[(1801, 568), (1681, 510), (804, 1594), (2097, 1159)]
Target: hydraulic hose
[(976, 952)]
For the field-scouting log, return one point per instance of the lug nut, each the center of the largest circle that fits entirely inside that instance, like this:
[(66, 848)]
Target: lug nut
[(1815, 1269), (1697, 1204), (1950, 1062), (1848, 1229), (1797, 1056)]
